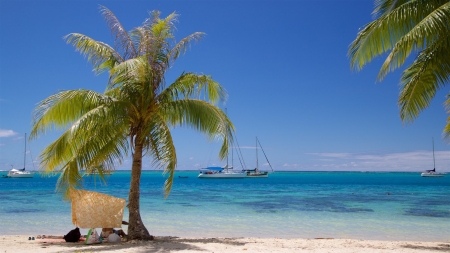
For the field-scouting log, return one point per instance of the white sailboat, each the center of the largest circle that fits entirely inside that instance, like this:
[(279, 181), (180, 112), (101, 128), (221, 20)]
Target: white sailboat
[(15, 173), (256, 173), (221, 172), (21, 173), (432, 173)]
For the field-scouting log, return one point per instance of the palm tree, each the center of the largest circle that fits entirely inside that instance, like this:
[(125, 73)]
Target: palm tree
[(401, 27), (134, 114)]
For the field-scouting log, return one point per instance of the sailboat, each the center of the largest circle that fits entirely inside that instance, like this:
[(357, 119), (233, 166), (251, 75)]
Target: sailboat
[(21, 173), (220, 172), (432, 173), (256, 173)]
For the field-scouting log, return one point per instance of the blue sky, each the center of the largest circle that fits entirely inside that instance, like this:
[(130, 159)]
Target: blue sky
[(283, 63)]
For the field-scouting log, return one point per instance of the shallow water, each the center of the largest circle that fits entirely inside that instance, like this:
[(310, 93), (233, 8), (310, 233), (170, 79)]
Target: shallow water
[(384, 206)]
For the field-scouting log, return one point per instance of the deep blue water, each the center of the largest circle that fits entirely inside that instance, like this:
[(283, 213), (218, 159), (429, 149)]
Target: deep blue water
[(385, 206)]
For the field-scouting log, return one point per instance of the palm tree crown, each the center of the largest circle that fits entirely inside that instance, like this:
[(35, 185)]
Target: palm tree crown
[(135, 113), (400, 28)]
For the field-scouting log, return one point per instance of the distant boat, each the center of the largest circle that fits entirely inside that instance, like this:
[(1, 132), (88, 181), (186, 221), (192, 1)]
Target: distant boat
[(15, 173), (432, 173), (256, 173), (221, 172)]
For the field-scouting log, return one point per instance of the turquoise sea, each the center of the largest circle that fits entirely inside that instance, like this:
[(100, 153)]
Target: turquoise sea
[(357, 205)]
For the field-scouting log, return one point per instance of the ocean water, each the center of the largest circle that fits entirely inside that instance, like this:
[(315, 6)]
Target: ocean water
[(356, 205)]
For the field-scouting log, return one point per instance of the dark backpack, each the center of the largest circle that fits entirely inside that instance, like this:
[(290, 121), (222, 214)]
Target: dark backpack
[(73, 235)]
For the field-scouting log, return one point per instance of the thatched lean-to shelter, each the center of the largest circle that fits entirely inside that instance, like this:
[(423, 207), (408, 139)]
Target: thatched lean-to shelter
[(96, 210)]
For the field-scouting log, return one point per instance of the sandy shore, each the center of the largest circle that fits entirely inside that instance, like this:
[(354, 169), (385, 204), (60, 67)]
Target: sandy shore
[(175, 244)]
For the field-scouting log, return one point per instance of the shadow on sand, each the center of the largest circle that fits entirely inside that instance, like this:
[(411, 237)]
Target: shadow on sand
[(159, 244), (440, 248)]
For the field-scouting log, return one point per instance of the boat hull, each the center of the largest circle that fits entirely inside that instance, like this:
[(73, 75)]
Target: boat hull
[(222, 175), (20, 175), (257, 175), (431, 174)]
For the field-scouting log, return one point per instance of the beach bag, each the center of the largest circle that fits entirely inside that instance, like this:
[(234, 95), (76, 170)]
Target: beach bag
[(73, 235), (92, 237)]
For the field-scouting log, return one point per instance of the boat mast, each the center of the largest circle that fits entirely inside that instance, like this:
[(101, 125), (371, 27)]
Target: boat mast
[(232, 158), (227, 154), (239, 155), (256, 147), (25, 152), (434, 161), (228, 142), (267, 159)]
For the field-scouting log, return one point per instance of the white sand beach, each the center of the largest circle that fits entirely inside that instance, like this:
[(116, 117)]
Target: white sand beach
[(20, 243)]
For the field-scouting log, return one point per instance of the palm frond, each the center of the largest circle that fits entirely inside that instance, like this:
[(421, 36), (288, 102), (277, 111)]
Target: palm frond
[(152, 20), (87, 144), (201, 116), (423, 79), (91, 114), (155, 46), (61, 109), (98, 171), (134, 70), (102, 56), (108, 146), (154, 49), (69, 178), (155, 33), (380, 35), (133, 80), (446, 132), (428, 30), (141, 38), (159, 144), (182, 45), (163, 28), (382, 7), (58, 155), (122, 39), (191, 85)]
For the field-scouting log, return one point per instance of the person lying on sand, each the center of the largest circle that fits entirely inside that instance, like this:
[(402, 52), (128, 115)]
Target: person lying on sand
[(82, 238), (50, 237), (107, 231)]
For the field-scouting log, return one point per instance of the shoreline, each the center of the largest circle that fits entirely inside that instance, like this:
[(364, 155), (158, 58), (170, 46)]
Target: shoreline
[(20, 243)]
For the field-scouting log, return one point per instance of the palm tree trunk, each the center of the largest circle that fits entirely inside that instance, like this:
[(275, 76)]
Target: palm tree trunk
[(136, 228)]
